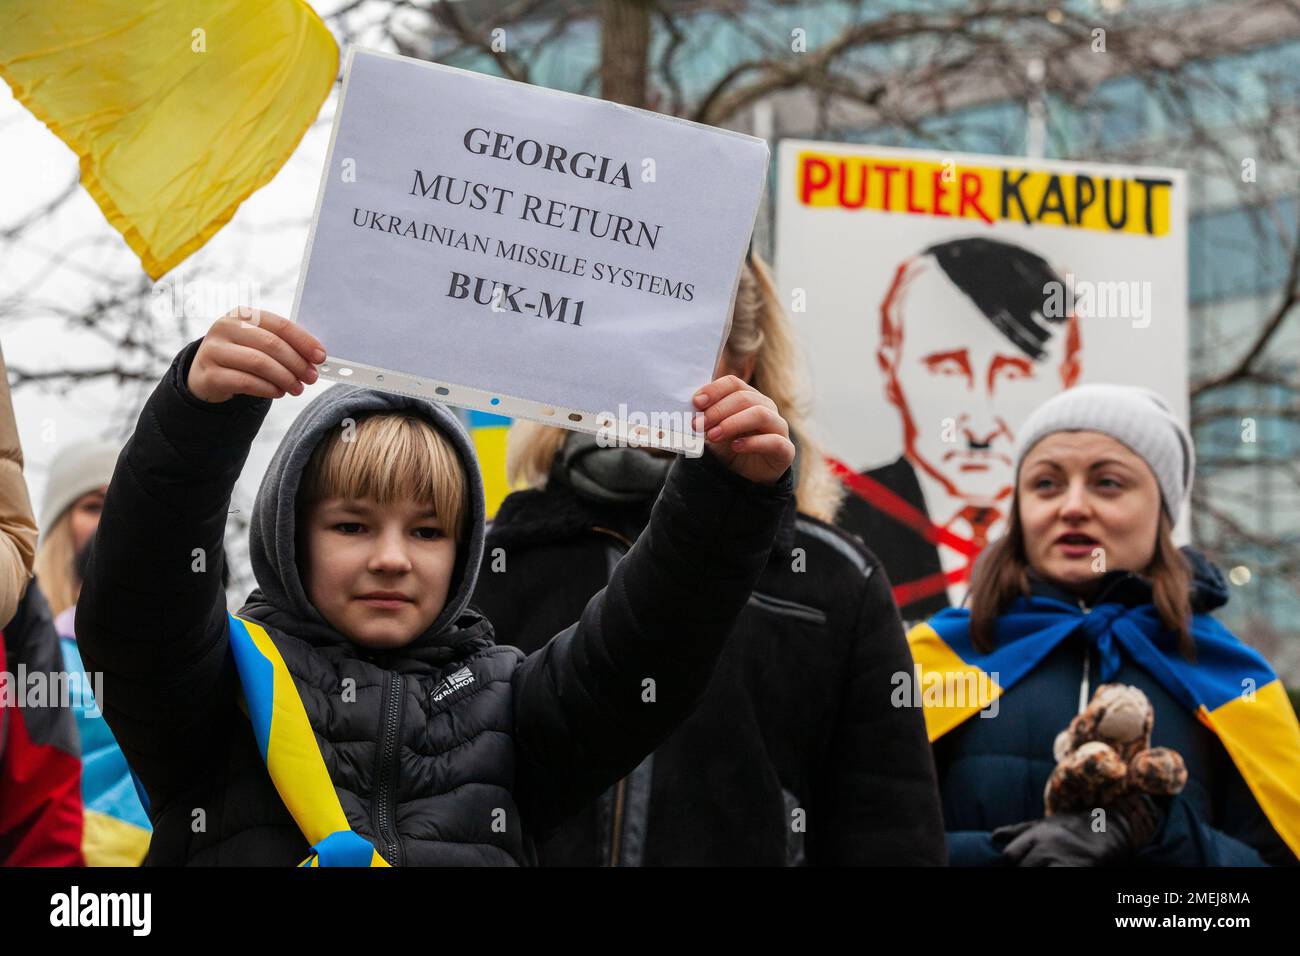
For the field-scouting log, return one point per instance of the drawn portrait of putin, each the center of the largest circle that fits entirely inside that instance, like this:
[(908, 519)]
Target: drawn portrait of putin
[(965, 352)]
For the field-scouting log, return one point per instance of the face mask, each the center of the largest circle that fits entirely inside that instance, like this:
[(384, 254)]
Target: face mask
[(613, 475)]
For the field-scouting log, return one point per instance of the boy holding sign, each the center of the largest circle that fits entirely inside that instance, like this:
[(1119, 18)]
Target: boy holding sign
[(357, 711)]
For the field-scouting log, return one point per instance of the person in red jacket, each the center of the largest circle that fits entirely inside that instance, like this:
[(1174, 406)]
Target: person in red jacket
[(40, 760), (40, 757)]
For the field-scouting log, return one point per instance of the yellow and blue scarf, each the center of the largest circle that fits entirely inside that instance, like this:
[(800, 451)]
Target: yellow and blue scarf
[(1230, 688), (288, 746)]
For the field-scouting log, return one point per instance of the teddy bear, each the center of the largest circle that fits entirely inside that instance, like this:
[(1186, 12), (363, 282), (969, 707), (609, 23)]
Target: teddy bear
[(1105, 755)]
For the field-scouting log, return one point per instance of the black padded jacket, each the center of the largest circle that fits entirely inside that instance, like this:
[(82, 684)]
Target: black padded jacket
[(430, 777), (795, 754)]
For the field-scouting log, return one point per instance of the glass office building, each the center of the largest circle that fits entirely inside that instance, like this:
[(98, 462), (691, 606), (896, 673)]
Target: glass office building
[(1242, 153)]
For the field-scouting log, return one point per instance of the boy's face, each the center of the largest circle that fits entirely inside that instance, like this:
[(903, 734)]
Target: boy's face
[(379, 574)]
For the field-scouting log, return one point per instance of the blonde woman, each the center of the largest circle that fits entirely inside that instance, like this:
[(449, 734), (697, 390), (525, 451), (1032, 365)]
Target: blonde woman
[(74, 495), (794, 754)]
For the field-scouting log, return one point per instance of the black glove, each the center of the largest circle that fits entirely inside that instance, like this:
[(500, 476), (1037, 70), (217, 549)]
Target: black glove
[(1068, 839)]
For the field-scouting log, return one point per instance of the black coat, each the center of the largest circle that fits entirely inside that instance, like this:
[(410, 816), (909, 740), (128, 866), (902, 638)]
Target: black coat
[(794, 755), (522, 744)]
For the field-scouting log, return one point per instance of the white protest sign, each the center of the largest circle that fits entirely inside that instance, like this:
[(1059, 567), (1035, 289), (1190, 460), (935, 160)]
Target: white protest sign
[(526, 252)]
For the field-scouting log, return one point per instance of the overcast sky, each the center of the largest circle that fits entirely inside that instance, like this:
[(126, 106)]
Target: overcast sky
[(83, 255)]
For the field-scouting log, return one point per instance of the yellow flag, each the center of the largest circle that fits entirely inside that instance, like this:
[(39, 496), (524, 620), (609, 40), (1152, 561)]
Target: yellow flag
[(489, 435), (179, 109)]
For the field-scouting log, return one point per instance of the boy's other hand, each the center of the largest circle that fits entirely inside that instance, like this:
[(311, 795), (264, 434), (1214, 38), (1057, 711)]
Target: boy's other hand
[(253, 352), (743, 428)]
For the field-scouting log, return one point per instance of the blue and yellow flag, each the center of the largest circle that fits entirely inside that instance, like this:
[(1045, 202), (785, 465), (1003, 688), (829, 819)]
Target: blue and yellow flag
[(1230, 687), (178, 109), (489, 434), (288, 746)]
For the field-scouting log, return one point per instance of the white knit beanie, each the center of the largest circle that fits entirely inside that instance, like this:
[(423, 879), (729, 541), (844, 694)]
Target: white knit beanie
[(1137, 417), (78, 469)]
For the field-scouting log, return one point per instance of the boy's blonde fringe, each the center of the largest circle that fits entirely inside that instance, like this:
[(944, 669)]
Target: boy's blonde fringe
[(759, 328), (390, 457)]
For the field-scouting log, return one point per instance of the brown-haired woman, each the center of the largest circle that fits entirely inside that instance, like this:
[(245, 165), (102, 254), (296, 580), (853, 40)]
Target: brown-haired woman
[(1087, 587), (794, 754)]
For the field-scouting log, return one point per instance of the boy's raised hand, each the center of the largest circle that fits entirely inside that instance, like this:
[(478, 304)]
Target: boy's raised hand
[(743, 428), (254, 353)]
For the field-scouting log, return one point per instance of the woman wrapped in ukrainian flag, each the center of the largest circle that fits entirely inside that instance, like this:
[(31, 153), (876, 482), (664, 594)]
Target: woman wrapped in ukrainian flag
[(1087, 587)]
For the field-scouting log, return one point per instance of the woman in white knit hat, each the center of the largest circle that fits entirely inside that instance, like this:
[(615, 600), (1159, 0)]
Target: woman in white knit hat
[(117, 828), (74, 496), (1087, 588)]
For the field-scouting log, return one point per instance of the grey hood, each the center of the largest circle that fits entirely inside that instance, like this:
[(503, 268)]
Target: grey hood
[(273, 534)]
